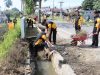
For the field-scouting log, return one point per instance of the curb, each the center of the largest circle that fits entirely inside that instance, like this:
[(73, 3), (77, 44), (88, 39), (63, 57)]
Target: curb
[(58, 62), (60, 65)]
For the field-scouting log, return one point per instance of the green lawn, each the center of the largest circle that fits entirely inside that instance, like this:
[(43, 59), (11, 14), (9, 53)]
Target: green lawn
[(9, 38)]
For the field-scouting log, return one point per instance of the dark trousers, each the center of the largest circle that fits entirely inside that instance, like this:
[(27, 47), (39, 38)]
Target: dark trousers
[(95, 40), (54, 32), (34, 49), (29, 24), (77, 28)]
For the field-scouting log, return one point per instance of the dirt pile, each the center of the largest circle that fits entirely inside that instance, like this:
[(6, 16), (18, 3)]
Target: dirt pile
[(14, 63), (82, 33)]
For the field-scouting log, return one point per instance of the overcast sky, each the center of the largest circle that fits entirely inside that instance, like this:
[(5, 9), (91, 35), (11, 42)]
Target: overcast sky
[(66, 4), (16, 3)]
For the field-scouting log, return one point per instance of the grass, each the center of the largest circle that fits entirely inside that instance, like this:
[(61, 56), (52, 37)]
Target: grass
[(9, 38), (56, 18)]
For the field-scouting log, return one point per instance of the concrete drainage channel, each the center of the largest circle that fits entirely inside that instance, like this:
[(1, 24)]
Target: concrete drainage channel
[(57, 66), (39, 67)]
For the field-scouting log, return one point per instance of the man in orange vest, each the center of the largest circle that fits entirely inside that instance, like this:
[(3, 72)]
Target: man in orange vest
[(10, 25)]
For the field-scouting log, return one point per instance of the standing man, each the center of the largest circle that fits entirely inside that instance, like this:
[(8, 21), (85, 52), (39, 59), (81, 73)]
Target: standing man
[(96, 29), (78, 22), (52, 29), (15, 21)]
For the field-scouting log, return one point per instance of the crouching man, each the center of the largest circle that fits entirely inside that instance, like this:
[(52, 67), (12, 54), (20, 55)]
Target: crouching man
[(39, 44)]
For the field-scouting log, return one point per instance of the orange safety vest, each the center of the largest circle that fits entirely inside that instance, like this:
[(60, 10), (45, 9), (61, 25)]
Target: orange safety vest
[(10, 26)]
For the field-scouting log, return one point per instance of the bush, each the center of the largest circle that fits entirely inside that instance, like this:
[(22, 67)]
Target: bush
[(9, 38)]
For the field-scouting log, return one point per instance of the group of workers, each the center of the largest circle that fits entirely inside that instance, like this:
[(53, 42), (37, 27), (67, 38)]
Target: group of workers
[(96, 29), (45, 36), (29, 22), (51, 28), (12, 23)]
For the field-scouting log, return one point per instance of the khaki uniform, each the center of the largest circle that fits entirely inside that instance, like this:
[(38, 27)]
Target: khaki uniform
[(38, 44), (78, 22), (96, 30), (53, 30)]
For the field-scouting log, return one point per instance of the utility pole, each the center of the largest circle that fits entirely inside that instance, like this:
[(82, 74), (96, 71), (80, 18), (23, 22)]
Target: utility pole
[(40, 11), (61, 8), (53, 11), (22, 5)]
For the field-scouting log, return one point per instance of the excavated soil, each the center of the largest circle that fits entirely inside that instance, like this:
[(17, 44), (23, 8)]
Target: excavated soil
[(14, 62)]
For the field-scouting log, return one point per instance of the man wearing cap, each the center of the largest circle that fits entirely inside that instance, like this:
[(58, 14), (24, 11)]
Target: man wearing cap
[(51, 29), (78, 21), (96, 29), (38, 44)]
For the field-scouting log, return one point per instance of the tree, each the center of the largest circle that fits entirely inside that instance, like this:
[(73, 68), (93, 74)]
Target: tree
[(87, 4), (96, 4), (91, 4), (8, 3), (14, 12), (29, 6)]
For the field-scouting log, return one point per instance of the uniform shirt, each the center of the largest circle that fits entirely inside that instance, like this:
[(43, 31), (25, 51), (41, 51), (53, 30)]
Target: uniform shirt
[(10, 25), (95, 24), (41, 39), (52, 26), (79, 20), (98, 23)]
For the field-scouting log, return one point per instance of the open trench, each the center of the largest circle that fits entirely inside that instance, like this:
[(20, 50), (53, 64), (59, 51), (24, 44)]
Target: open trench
[(39, 66), (43, 67)]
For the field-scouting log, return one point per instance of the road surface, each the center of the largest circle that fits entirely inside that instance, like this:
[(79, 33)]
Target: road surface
[(84, 60)]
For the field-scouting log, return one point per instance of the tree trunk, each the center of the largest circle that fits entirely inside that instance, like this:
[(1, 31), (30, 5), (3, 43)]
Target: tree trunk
[(40, 11)]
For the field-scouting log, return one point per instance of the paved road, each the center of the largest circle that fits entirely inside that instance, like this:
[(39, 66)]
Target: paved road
[(83, 59)]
